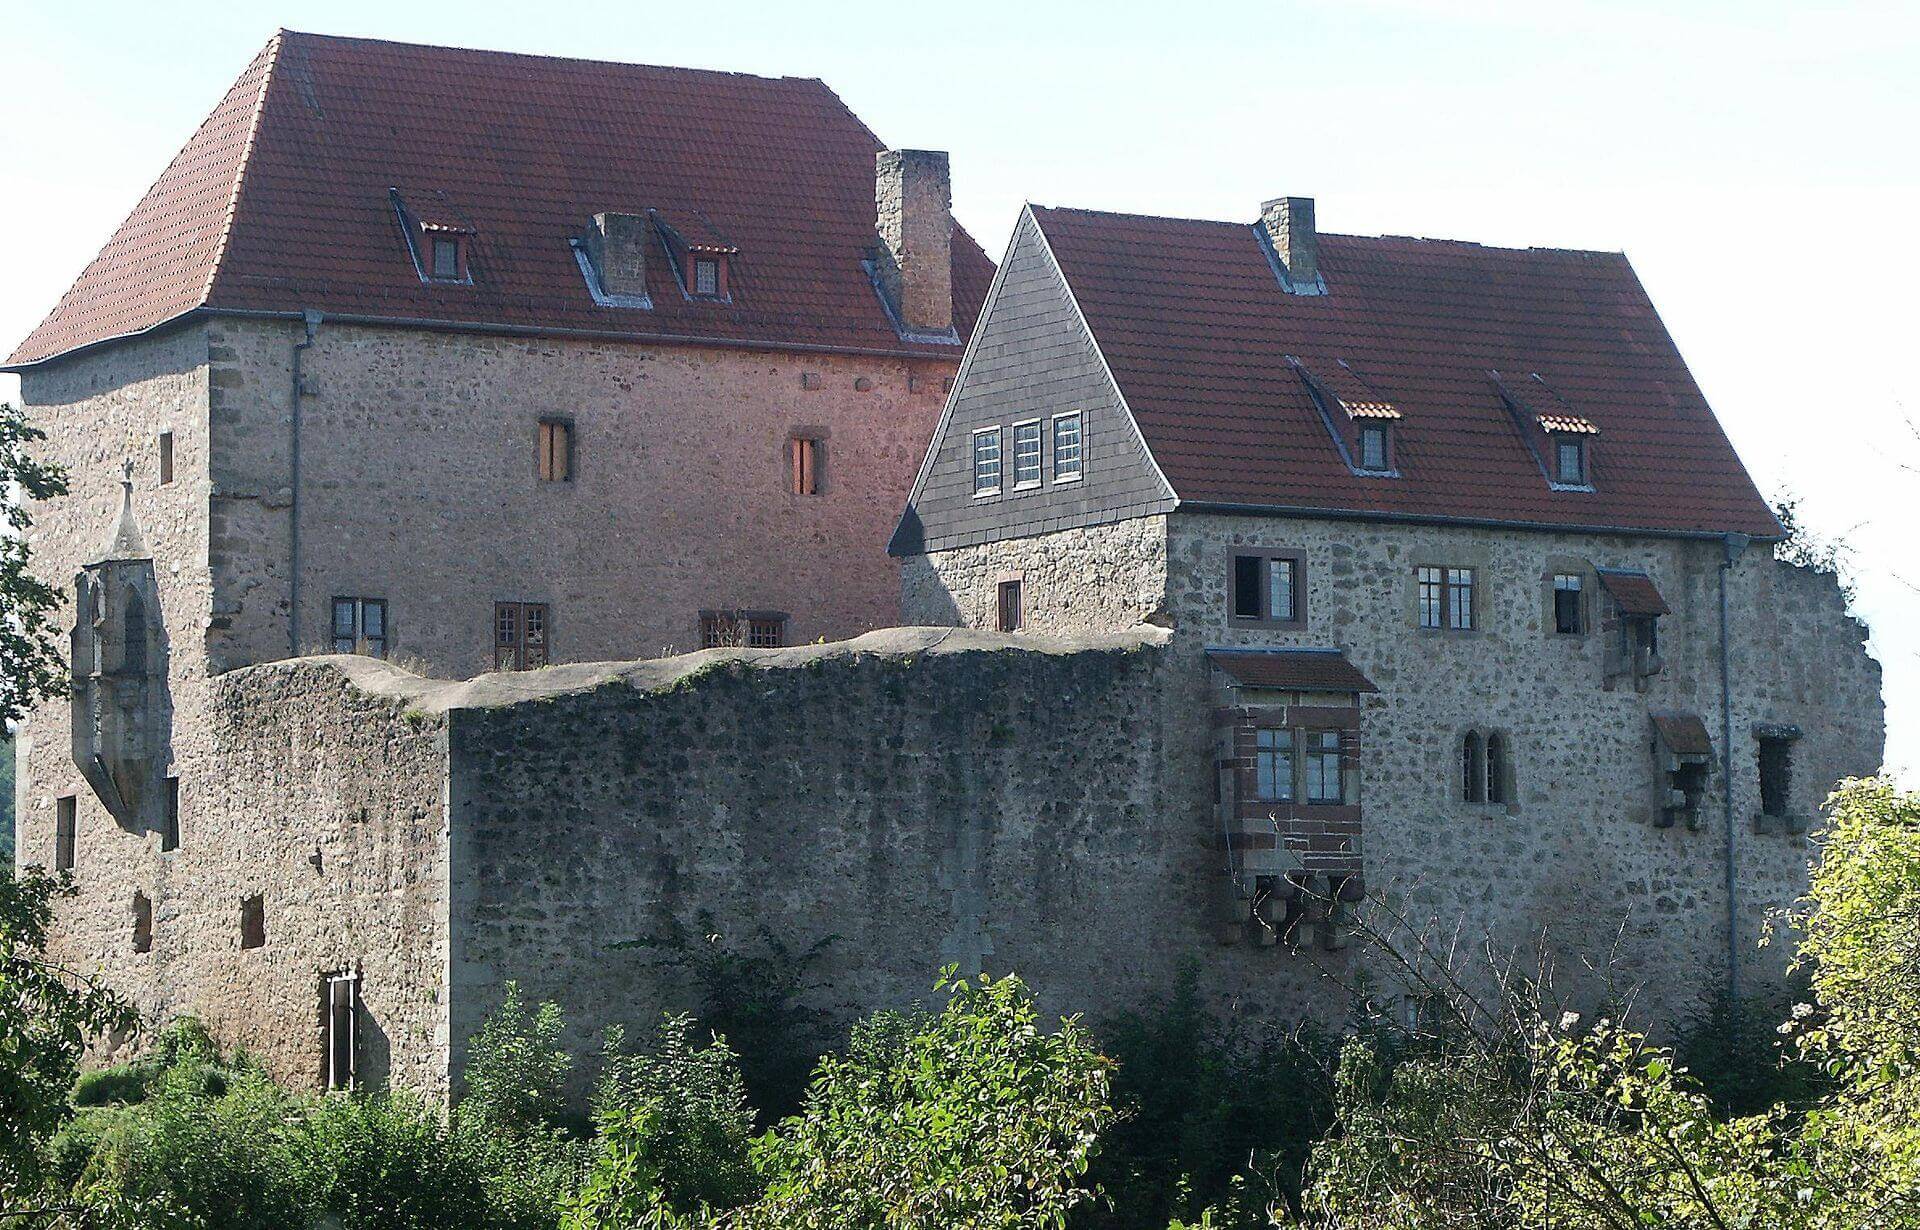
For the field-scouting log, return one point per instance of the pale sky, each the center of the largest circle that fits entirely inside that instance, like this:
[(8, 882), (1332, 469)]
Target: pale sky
[(1758, 160)]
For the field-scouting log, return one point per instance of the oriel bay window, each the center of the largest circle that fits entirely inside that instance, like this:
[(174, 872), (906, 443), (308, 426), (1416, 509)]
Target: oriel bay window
[(1299, 765)]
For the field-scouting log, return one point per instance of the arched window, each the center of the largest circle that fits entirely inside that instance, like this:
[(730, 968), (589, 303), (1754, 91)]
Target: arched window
[(1473, 765), (1496, 769)]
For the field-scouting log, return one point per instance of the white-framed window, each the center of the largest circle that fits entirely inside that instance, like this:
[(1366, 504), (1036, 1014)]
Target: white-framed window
[(986, 461), (1374, 451), (341, 996), (1446, 598), (706, 277), (1067, 449), (1026, 455)]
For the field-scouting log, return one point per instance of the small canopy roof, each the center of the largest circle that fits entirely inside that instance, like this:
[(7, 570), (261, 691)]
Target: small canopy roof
[(1292, 670)]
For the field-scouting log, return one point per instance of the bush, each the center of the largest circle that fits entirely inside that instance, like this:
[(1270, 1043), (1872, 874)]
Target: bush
[(119, 1084), (516, 1074), (1214, 1116)]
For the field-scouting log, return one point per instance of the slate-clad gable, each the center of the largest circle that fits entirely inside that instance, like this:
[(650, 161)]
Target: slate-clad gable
[(1033, 358)]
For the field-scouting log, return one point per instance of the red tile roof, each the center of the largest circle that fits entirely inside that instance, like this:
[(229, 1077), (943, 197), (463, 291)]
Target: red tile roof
[(1634, 591), (1292, 670), (1197, 331), (280, 201)]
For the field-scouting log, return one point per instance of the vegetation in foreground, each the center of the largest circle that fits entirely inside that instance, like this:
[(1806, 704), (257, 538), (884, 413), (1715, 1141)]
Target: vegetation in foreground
[(1491, 1115)]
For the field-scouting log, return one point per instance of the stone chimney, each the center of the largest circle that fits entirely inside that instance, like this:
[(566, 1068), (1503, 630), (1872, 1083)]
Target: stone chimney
[(617, 247), (1289, 226), (913, 204)]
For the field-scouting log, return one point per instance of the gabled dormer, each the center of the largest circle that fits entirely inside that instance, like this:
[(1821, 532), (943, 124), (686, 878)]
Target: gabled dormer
[(1560, 439), (1362, 422), (439, 237), (700, 257), (612, 255)]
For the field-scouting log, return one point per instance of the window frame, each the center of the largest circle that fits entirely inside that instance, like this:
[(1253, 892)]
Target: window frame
[(740, 629), (516, 654), (1270, 752), (1448, 597), (1305, 751), (805, 454), (1016, 588), (1384, 431), (999, 460), (1296, 559), (363, 644), (1582, 620), (457, 245), (1079, 445), (333, 1013), (1773, 755), (1583, 455), (1039, 455)]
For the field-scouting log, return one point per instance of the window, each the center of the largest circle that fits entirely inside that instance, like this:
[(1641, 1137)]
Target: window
[(738, 629), (1473, 764), (1266, 589), (166, 458), (1323, 767), (706, 276), (1273, 766), (1570, 462), (170, 834), (1026, 455), (1569, 604), (340, 998), (986, 461), (1010, 614), (360, 626), (142, 923), (65, 812), (1374, 453), (555, 459), (1496, 769), (1066, 447), (1446, 598), (519, 635), (253, 921), (804, 456), (446, 259), (133, 649), (1776, 775)]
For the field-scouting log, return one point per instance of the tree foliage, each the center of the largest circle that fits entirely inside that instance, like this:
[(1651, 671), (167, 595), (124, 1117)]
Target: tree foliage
[(31, 665)]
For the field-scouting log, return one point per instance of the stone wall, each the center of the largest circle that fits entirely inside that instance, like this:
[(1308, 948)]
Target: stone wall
[(1095, 579), (419, 486)]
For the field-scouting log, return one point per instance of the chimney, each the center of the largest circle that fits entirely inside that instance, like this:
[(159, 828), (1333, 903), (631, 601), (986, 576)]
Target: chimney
[(913, 203), (617, 247), (1289, 226)]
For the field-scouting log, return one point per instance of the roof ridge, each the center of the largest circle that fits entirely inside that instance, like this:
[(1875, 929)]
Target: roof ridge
[(272, 52), (314, 36)]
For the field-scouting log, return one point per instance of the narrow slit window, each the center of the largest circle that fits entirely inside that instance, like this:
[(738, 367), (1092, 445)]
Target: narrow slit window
[(1473, 765), (804, 456), (1067, 450), (1010, 614), (65, 823), (1569, 604), (1026, 455), (1776, 776), (1496, 769), (166, 458), (986, 461), (340, 995), (142, 923), (253, 921), (555, 460), (170, 835)]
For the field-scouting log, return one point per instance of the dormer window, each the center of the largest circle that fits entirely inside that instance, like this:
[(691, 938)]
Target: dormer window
[(700, 256), (446, 258), (1570, 461), (706, 276), (1375, 446)]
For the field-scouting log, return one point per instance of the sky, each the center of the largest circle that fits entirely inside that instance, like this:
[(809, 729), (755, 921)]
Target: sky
[(1757, 160)]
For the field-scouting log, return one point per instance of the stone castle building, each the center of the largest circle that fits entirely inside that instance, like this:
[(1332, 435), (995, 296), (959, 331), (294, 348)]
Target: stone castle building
[(1257, 572)]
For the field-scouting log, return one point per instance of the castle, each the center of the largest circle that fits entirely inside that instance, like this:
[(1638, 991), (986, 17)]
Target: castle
[(1247, 572)]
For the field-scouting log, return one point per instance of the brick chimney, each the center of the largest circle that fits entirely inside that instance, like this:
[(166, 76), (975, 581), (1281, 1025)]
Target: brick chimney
[(617, 247), (913, 204), (1288, 222)]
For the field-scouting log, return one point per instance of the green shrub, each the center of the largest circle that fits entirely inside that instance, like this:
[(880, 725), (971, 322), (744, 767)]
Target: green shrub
[(121, 1083), (386, 1162), (516, 1073)]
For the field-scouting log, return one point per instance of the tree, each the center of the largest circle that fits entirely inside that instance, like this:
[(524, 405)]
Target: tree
[(31, 666), (47, 1013)]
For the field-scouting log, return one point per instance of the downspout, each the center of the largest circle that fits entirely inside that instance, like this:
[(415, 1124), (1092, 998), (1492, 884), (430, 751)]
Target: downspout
[(311, 319), (1734, 545)]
